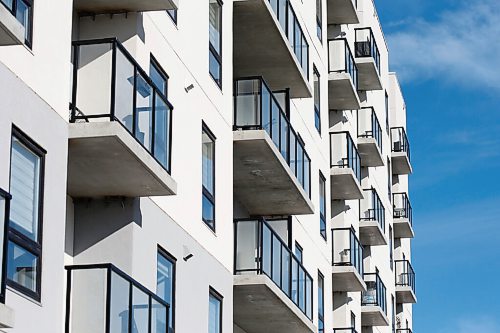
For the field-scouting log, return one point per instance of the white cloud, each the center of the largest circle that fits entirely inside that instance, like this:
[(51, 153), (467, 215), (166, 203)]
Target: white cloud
[(481, 324), (461, 46)]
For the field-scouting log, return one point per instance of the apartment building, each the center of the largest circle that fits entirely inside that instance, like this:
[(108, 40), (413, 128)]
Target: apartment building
[(202, 166)]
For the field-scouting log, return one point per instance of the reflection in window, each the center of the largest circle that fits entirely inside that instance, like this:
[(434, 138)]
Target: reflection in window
[(165, 277), (208, 172), (214, 313)]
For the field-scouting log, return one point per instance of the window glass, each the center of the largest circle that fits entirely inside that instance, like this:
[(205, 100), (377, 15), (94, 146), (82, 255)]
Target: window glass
[(165, 277), (159, 78), (317, 119), (215, 13), (214, 314), (321, 303), (173, 14), (208, 169), (322, 205), (22, 266)]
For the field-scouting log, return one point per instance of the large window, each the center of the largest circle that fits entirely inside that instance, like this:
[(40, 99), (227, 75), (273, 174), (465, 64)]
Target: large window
[(317, 103), (322, 205), (321, 303), (215, 47), (23, 11), (319, 19), (24, 248), (165, 283), (214, 312), (208, 171)]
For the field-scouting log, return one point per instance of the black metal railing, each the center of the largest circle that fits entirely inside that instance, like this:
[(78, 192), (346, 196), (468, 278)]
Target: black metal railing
[(344, 154), (260, 250), (366, 46), (399, 139), (5, 198), (371, 208), (345, 330), (256, 107), (347, 249), (403, 330), (376, 293), (405, 275), (369, 126), (402, 207), (101, 298), (109, 85), (291, 27), (341, 59)]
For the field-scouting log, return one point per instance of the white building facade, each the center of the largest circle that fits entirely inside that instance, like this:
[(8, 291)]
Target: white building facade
[(202, 166)]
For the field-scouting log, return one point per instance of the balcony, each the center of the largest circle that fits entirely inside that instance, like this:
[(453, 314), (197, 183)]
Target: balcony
[(101, 298), (272, 171), (272, 290), (368, 60), (342, 76), (344, 330), (402, 216), (269, 41), (6, 313), (403, 330), (121, 6), (405, 282), (345, 169), (369, 138), (120, 129), (372, 219), (374, 302), (12, 32), (342, 11), (400, 152), (347, 261)]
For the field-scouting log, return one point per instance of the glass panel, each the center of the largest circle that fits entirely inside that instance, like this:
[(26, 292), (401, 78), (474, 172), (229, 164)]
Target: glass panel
[(247, 241), (266, 109), (25, 188), (208, 211), (8, 3), (140, 311), (293, 152), (124, 90), (144, 111), (214, 314), (307, 175), (276, 260), (302, 290), (285, 271), (215, 68), (295, 282), (159, 318), (23, 15), (162, 132), (159, 79), (165, 283), (208, 162), (247, 103), (119, 311), (298, 40), (284, 138), (275, 122), (308, 297), (266, 250), (300, 163), (282, 13), (215, 13), (3, 206), (22, 266)]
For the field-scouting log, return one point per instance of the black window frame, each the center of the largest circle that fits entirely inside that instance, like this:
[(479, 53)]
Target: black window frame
[(153, 62), (321, 316), (16, 237), (298, 248), (322, 215), (3, 282), (317, 108), (319, 20), (213, 51), (214, 293), (169, 257), (391, 247), (173, 15), (387, 127), (205, 192), (29, 3)]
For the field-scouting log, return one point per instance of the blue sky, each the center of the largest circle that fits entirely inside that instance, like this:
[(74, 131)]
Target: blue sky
[(447, 54)]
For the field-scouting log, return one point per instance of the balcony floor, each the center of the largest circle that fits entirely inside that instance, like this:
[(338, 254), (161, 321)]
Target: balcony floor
[(114, 6), (342, 95), (401, 163), (403, 228), (344, 184), (369, 152), (342, 12), (370, 233), (373, 316), (106, 160), (369, 78), (261, 307), (347, 278), (11, 31), (405, 295)]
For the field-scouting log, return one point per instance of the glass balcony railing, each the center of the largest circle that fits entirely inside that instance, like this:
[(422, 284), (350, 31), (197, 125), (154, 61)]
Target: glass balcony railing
[(290, 25), (341, 60), (402, 207), (369, 126), (405, 275), (5, 198), (344, 153), (260, 250), (347, 249), (344, 330), (372, 209), (366, 46), (376, 293), (101, 298), (399, 139), (256, 107), (109, 85)]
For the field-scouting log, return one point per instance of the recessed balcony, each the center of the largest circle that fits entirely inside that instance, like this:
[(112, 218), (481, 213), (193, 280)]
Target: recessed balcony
[(372, 219), (120, 126), (374, 302), (12, 32), (102, 298), (402, 216), (345, 170), (347, 271), (400, 152), (272, 290), (272, 170), (369, 138), (269, 41), (367, 60), (342, 76), (121, 6), (342, 12), (405, 282)]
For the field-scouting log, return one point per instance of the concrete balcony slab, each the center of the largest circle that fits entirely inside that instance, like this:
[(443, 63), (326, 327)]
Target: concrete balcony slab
[(368, 75), (342, 12), (347, 278), (342, 94), (401, 163), (373, 316), (114, 6), (371, 234), (405, 295), (344, 184), (369, 152), (403, 228)]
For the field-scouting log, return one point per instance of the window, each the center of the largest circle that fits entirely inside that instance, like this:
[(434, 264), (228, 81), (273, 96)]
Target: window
[(319, 19), (173, 15), (321, 303), (391, 248), (165, 283), (23, 11), (386, 112), (208, 171), (215, 47), (353, 320), (214, 312), (389, 179), (322, 205), (393, 314), (24, 249), (317, 103), (158, 76), (299, 252)]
